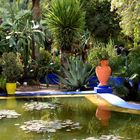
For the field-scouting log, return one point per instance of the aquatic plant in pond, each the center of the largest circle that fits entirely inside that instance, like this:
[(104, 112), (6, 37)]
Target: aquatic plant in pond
[(106, 137), (41, 126), (38, 106), (8, 114), (72, 119)]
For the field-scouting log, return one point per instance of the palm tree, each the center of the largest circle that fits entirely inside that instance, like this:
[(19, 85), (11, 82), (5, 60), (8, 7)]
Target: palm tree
[(65, 20)]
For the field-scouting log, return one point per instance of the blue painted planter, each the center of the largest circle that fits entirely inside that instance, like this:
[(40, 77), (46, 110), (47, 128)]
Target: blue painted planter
[(117, 81), (93, 82), (103, 89), (139, 86), (52, 78)]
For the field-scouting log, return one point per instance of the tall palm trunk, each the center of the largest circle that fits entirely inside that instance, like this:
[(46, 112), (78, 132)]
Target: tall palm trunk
[(64, 55), (36, 14), (36, 10)]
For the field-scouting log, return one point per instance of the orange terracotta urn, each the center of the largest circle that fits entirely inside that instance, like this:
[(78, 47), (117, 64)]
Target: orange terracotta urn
[(103, 72)]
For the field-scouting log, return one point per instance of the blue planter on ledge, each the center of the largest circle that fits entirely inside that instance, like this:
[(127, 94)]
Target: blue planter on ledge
[(52, 78), (117, 81), (103, 89), (93, 82)]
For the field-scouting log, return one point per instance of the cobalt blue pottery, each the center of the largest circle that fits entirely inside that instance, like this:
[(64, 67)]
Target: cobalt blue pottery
[(52, 78), (117, 81)]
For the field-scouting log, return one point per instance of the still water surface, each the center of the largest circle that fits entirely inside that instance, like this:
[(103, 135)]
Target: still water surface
[(121, 126)]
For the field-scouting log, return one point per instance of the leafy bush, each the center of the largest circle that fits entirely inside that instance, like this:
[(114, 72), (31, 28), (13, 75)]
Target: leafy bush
[(76, 74), (102, 54), (134, 61), (12, 67), (117, 62), (46, 64), (2, 84), (43, 62)]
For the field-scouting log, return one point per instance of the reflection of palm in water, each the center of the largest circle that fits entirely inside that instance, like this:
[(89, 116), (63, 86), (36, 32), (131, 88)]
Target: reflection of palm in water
[(103, 114)]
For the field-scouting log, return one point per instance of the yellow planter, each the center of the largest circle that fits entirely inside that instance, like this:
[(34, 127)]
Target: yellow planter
[(11, 88)]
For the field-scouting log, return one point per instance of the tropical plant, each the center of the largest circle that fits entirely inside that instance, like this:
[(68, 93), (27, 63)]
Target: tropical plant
[(65, 20), (12, 67), (76, 74), (19, 30)]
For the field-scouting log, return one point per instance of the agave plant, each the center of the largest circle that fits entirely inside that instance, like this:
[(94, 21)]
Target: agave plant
[(76, 74)]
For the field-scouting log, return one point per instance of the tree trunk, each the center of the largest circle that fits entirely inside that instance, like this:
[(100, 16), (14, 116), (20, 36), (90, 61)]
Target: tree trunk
[(36, 14), (36, 10), (64, 55)]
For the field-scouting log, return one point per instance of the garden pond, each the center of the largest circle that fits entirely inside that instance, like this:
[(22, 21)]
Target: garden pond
[(62, 119)]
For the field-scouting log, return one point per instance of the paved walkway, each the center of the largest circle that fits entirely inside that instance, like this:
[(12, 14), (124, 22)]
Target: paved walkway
[(42, 88)]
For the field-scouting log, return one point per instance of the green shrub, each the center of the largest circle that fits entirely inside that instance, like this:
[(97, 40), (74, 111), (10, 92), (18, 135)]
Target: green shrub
[(134, 61), (93, 53), (12, 67), (2, 84), (117, 62), (47, 64)]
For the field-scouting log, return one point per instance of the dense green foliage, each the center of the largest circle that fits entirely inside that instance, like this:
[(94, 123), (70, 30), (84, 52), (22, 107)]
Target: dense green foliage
[(12, 67), (46, 64), (19, 31), (134, 59), (130, 17), (2, 84), (100, 21)]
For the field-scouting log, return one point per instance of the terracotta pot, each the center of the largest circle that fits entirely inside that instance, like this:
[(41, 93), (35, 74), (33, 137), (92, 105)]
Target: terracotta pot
[(103, 72)]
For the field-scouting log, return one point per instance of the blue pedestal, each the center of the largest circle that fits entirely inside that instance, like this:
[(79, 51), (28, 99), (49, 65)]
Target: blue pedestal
[(103, 89)]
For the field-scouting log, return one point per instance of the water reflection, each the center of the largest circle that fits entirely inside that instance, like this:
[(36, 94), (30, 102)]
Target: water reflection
[(75, 109), (11, 103), (103, 114)]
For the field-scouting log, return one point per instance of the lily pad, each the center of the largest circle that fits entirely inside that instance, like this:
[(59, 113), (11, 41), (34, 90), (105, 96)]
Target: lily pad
[(8, 114), (106, 137), (38, 106), (40, 126)]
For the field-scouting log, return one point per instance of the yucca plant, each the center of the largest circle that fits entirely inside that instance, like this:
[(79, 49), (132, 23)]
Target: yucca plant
[(76, 74), (65, 20)]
